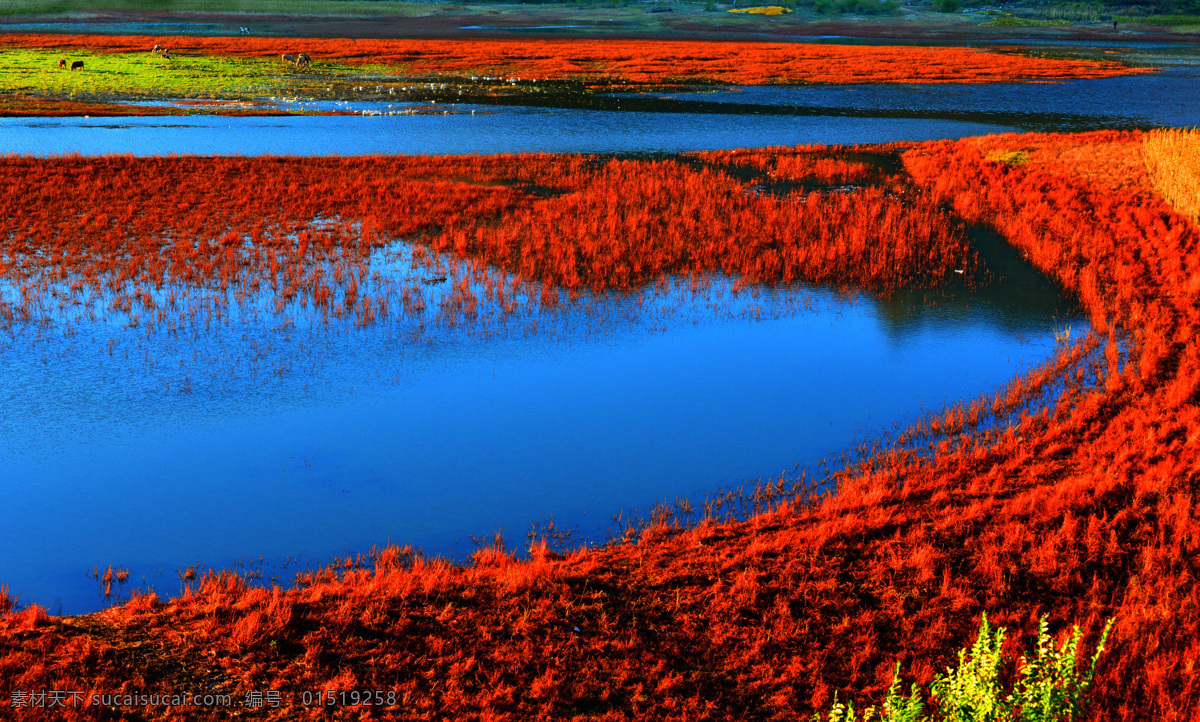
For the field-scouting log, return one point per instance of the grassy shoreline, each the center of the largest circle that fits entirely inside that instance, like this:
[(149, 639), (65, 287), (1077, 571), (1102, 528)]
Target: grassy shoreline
[(120, 68), (1083, 512)]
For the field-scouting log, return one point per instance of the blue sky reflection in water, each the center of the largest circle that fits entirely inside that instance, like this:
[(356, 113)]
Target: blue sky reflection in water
[(158, 450), (490, 130)]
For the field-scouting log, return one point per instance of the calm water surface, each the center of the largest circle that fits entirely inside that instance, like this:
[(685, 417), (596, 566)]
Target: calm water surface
[(491, 130), (292, 439), (1061, 106), (139, 453)]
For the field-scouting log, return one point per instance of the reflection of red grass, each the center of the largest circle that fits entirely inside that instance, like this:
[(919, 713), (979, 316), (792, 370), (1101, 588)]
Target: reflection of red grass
[(1082, 512), (131, 225), (634, 61), (35, 106)]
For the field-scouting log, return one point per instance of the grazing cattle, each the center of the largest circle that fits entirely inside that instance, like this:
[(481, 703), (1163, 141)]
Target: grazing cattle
[(158, 49), (166, 54), (303, 59), (77, 65), (62, 63), (288, 58)]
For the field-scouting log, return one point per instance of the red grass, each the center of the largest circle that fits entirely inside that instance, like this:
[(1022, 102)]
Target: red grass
[(630, 61), (29, 105), (24, 105), (1083, 512), (802, 164), (625, 223), (171, 233)]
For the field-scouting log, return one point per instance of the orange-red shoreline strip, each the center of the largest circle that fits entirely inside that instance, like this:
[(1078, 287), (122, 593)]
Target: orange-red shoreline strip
[(632, 61)]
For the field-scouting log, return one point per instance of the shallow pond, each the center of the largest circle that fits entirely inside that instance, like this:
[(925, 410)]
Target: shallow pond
[(295, 439), (157, 451)]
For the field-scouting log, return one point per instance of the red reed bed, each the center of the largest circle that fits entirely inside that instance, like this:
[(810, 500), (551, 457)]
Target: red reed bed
[(631, 61), (1081, 512), (303, 229), (802, 164), (28, 105)]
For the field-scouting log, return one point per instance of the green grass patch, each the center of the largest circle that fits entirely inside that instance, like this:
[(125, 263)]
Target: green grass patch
[(36, 71), (1164, 20), (1075, 12), (1012, 21), (145, 74)]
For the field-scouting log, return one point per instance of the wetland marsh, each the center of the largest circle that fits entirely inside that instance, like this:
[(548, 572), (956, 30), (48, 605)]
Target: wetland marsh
[(322, 410), (957, 355)]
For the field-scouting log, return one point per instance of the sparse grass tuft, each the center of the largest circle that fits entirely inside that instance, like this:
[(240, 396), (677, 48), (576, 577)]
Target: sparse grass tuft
[(1011, 157), (1168, 20), (1008, 20)]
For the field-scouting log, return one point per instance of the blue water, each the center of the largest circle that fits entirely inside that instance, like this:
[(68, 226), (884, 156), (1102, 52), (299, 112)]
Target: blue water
[(1148, 100), (490, 130), (369, 440)]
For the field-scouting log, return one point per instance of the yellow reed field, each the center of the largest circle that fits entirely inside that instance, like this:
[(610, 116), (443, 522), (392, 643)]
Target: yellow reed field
[(768, 10), (1173, 161)]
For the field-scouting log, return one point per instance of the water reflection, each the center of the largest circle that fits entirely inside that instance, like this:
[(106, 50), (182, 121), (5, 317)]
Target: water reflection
[(1061, 106), (369, 436), (491, 130), (1013, 298)]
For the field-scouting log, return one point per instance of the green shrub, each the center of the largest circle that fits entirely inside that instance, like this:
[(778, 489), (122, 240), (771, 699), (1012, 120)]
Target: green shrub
[(1049, 688), (946, 6), (856, 7)]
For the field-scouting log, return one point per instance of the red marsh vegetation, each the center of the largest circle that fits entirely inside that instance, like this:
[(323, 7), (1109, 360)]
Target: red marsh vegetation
[(163, 238), (817, 164), (38, 106), (1082, 511), (32, 105), (622, 61)]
